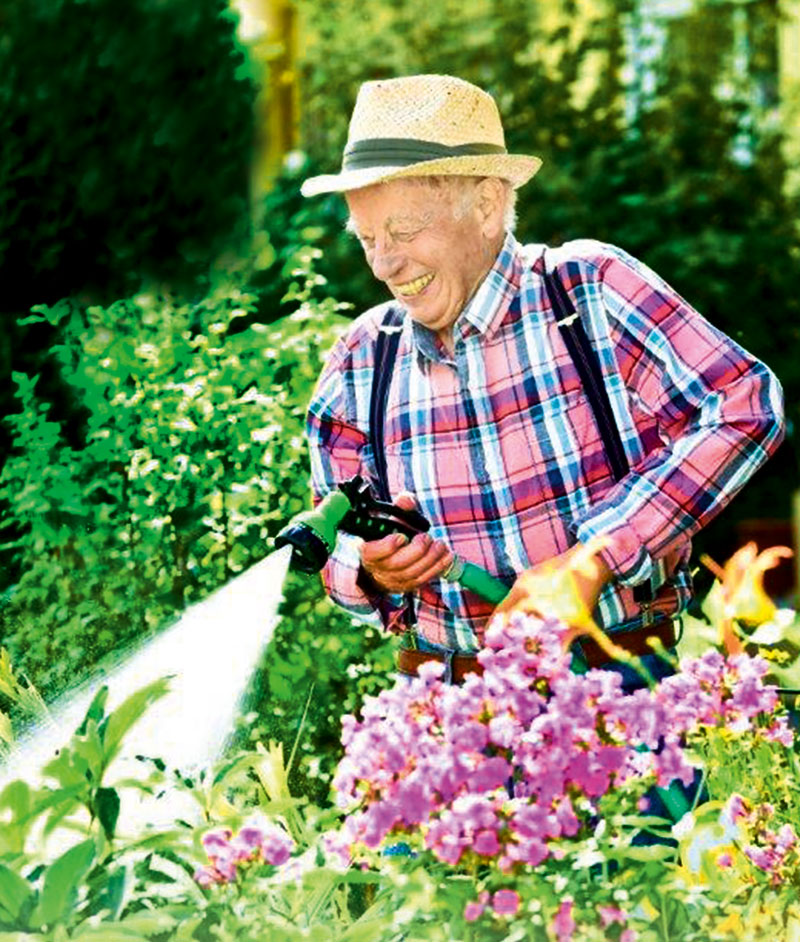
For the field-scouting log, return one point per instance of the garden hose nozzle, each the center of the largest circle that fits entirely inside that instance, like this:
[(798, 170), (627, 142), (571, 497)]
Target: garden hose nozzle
[(312, 534), (352, 509)]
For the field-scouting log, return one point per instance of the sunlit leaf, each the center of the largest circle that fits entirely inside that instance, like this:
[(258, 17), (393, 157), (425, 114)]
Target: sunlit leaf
[(61, 881), (15, 891), (126, 715)]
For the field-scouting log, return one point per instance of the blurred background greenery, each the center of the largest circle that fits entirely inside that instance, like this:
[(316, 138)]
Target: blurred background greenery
[(167, 295)]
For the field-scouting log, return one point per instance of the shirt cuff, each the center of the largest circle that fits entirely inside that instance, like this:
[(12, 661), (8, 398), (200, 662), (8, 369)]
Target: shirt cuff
[(391, 606), (624, 553)]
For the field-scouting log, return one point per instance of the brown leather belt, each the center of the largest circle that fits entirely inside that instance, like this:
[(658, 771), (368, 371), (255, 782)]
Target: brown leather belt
[(635, 641), (409, 660)]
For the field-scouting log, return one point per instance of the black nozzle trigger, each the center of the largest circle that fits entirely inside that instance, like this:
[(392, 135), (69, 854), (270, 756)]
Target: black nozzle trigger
[(372, 519)]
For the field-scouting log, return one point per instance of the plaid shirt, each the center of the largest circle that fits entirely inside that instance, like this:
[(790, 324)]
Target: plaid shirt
[(500, 448)]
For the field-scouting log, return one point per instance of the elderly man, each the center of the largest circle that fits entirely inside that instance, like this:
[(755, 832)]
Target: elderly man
[(537, 396)]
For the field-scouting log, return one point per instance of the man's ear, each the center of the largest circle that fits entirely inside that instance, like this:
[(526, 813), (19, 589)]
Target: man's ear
[(490, 204)]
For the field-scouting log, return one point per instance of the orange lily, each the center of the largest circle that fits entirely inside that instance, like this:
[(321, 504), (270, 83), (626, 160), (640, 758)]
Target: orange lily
[(738, 594)]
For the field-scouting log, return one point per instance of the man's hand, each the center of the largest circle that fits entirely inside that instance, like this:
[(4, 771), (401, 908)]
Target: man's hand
[(566, 586), (396, 565)]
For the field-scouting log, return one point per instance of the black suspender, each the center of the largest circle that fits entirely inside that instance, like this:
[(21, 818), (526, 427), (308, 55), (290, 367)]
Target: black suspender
[(385, 354), (587, 364)]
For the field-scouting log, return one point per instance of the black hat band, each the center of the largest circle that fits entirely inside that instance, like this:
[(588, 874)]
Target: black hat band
[(402, 152)]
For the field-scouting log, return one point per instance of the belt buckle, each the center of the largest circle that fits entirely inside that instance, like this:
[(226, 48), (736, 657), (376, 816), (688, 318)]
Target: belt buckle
[(648, 618)]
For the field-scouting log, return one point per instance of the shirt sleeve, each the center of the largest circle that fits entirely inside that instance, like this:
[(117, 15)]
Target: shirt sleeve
[(718, 412), (336, 447)]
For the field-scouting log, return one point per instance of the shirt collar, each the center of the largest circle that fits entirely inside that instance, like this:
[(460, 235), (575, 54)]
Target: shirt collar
[(488, 306)]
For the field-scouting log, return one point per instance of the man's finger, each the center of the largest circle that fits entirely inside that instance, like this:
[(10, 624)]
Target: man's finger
[(429, 567), (406, 501), (375, 550), (414, 561)]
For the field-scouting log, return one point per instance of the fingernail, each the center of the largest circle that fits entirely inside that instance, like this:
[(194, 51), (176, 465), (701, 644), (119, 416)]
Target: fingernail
[(400, 539)]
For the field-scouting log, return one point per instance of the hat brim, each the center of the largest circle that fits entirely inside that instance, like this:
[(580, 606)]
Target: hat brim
[(516, 168)]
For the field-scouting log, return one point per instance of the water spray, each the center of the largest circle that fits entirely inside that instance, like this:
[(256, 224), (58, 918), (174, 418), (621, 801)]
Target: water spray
[(353, 509)]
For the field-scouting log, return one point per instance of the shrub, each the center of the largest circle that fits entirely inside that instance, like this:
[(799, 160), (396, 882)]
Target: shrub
[(128, 132), (194, 456)]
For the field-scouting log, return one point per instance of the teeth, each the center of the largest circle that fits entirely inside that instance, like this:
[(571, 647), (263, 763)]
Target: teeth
[(415, 286)]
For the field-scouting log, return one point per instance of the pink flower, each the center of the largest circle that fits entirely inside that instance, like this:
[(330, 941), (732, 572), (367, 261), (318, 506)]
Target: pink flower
[(563, 923), (724, 860), (486, 843), (474, 909), (628, 935), (671, 764), (610, 914), (208, 876), (217, 841), (780, 731), (736, 808), (506, 902), (438, 757), (764, 858)]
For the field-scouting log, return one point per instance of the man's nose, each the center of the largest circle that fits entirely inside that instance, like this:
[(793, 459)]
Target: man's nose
[(385, 261)]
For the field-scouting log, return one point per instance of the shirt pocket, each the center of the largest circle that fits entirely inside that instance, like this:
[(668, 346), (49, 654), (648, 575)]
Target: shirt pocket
[(543, 448)]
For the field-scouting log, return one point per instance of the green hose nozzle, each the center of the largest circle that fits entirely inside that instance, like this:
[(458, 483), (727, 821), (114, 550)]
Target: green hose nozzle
[(352, 509), (312, 534)]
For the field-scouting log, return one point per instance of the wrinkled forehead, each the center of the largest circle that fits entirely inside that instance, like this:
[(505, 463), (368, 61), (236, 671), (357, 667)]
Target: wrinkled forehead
[(412, 201)]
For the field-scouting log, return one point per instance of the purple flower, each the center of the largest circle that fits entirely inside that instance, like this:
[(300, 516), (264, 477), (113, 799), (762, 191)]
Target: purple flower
[(474, 909), (506, 902), (208, 876), (563, 923), (486, 843), (276, 846)]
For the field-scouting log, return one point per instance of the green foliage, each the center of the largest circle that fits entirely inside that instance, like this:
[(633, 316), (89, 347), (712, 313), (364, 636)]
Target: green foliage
[(290, 224), (320, 655), (193, 457), (128, 132)]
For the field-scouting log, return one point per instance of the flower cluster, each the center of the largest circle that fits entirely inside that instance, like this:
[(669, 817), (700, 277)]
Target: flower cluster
[(502, 903), (775, 852), (504, 766), (258, 841)]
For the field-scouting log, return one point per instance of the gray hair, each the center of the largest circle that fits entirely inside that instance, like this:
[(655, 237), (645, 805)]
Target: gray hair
[(463, 189)]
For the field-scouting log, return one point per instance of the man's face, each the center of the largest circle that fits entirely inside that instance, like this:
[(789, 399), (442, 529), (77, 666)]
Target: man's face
[(428, 244)]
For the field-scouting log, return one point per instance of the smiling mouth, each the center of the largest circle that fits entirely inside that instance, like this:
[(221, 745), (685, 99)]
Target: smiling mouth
[(412, 288)]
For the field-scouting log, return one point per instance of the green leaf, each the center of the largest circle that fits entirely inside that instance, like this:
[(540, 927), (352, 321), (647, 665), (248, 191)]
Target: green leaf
[(108, 932), (124, 717), (106, 807), (61, 881), (96, 710), (109, 889), (16, 796), (149, 922), (635, 852), (15, 891)]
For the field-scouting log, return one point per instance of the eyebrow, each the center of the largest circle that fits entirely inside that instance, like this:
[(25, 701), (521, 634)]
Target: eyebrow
[(403, 220)]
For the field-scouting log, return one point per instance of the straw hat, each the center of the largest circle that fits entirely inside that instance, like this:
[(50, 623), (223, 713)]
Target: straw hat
[(422, 125)]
